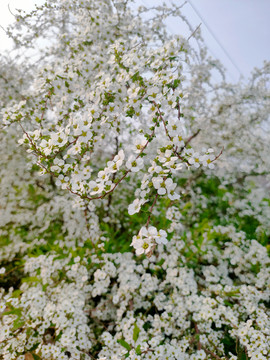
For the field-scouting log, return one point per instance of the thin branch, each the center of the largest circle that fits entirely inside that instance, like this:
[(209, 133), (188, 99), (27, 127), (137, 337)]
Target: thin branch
[(31, 141), (178, 110), (163, 121), (151, 209), (88, 225), (197, 332), (197, 28), (213, 354), (192, 137), (10, 10), (200, 346), (114, 174), (13, 269), (167, 133), (118, 182), (218, 155), (3, 29)]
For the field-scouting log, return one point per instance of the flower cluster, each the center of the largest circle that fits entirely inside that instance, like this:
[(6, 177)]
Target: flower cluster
[(144, 242), (123, 124), (81, 138), (161, 306)]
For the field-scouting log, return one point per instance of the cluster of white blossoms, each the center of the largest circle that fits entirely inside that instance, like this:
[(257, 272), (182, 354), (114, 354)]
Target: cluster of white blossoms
[(144, 242), (125, 125), (162, 307), (75, 127), (206, 159)]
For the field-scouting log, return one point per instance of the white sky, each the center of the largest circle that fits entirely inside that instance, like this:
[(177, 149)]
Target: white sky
[(241, 26)]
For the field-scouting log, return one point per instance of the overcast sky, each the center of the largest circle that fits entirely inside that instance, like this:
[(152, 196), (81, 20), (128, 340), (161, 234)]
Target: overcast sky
[(241, 27)]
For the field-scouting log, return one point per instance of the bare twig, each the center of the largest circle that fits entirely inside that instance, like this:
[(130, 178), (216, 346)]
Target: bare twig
[(197, 332), (13, 269), (151, 209), (178, 110), (197, 28), (192, 137), (31, 141), (218, 155), (114, 175), (10, 11), (213, 354), (3, 29)]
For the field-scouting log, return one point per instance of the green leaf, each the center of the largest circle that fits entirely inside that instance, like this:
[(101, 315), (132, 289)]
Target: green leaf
[(36, 357), (124, 344), (17, 324), (31, 279), (130, 112), (242, 356), (138, 350), (17, 312), (136, 332), (33, 348), (16, 293), (161, 262)]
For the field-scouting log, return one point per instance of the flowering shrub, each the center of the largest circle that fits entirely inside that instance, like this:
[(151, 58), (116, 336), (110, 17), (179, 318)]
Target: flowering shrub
[(131, 227)]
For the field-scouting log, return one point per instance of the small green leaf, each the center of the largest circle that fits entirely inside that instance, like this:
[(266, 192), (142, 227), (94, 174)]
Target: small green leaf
[(16, 293), (31, 279), (124, 344), (138, 350), (36, 357), (17, 324), (136, 332), (17, 312)]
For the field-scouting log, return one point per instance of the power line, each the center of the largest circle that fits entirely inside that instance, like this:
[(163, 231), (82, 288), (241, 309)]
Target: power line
[(214, 36)]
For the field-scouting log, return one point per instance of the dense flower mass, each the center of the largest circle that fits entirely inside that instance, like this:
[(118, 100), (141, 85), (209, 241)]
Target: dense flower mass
[(134, 209)]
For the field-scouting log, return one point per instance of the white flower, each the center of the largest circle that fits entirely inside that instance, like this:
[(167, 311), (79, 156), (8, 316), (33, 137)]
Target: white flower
[(161, 237), (195, 160), (134, 164), (114, 165), (154, 168), (165, 186), (120, 156), (159, 185), (147, 239), (154, 93), (170, 163), (135, 207), (103, 175), (170, 187), (99, 275), (141, 245), (108, 185), (59, 139), (87, 172), (139, 143), (174, 128), (96, 188), (164, 157), (62, 181), (74, 149), (173, 195), (207, 160), (145, 181), (178, 140)]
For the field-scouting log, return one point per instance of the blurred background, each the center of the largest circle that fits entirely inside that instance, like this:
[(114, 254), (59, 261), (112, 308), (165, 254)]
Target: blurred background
[(235, 31)]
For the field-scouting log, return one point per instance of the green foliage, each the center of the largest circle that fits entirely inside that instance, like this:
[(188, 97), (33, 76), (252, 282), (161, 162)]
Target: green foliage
[(136, 332)]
